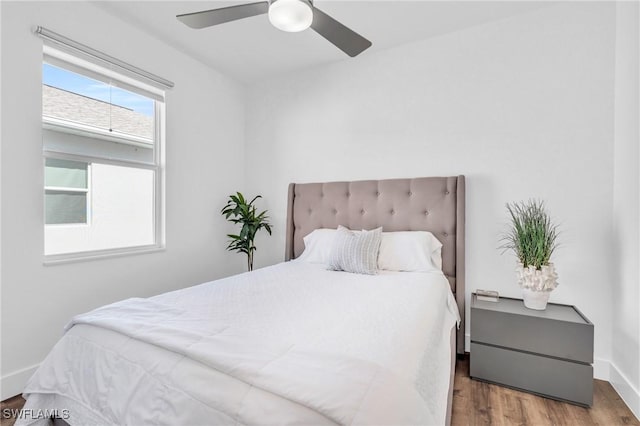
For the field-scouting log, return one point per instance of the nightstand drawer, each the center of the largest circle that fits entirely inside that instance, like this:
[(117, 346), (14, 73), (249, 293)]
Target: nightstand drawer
[(541, 332), (551, 377)]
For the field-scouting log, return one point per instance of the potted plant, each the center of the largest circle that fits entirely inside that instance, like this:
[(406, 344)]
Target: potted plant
[(533, 238), (239, 211)]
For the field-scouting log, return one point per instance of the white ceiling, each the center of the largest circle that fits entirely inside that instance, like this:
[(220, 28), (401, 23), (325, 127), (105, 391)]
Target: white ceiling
[(252, 49)]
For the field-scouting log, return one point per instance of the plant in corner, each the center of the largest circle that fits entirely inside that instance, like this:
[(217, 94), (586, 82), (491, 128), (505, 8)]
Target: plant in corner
[(533, 238), (239, 211)]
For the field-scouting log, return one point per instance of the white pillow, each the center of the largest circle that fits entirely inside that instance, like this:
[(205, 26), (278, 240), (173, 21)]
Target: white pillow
[(356, 252), (317, 246), (406, 251), (410, 251)]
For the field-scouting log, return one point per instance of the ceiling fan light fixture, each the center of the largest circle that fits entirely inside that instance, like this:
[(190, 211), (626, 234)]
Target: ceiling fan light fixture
[(291, 15)]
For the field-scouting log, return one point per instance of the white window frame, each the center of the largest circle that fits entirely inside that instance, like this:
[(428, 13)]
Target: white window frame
[(158, 165)]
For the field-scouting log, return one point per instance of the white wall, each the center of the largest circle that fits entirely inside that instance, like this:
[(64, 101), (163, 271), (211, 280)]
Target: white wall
[(523, 107), (625, 359), (205, 133), (1, 180)]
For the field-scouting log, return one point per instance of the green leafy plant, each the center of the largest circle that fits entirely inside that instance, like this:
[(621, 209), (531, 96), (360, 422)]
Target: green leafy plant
[(532, 236), (239, 211)]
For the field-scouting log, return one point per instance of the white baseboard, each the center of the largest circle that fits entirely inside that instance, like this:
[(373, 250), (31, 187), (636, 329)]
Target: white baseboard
[(629, 394), (12, 384)]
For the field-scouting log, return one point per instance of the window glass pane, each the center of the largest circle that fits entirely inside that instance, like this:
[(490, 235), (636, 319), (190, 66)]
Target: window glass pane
[(132, 114), (65, 173), (65, 207), (81, 101), (122, 201)]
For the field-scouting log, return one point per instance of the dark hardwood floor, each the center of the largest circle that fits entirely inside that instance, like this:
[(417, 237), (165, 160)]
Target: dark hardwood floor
[(478, 403)]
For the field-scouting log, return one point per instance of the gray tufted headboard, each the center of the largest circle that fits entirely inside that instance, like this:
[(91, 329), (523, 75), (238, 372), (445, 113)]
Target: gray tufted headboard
[(434, 204)]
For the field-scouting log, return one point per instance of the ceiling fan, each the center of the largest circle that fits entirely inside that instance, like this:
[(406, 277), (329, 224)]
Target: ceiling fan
[(286, 15)]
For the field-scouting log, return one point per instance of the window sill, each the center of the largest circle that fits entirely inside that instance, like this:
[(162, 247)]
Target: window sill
[(58, 259)]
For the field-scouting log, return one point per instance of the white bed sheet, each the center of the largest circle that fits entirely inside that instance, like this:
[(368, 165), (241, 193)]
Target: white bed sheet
[(395, 323)]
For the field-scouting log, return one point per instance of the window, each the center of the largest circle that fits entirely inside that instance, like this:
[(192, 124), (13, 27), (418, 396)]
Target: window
[(102, 141)]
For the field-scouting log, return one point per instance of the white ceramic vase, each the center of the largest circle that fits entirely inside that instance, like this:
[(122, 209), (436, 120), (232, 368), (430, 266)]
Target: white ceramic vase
[(535, 299), (537, 285)]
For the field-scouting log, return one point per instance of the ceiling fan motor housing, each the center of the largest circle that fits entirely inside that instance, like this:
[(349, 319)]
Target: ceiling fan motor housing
[(309, 2), (291, 15)]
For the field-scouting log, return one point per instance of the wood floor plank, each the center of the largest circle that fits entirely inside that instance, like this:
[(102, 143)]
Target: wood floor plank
[(462, 397), (496, 407), (513, 411), (535, 411), (562, 414), (614, 411), (14, 403)]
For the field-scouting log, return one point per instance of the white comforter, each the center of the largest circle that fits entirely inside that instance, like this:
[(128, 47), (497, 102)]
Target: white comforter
[(288, 344)]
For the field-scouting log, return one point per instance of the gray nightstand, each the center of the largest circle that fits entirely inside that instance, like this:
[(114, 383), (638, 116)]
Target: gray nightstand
[(544, 352)]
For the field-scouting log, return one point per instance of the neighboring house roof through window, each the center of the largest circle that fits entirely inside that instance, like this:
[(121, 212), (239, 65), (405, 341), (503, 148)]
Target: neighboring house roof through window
[(65, 105)]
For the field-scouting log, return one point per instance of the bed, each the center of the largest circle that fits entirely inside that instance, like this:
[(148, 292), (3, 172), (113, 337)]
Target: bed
[(292, 343)]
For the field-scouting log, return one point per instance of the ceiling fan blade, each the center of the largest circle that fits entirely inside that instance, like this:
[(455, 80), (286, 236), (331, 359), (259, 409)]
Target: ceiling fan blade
[(213, 17), (345, 39)]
